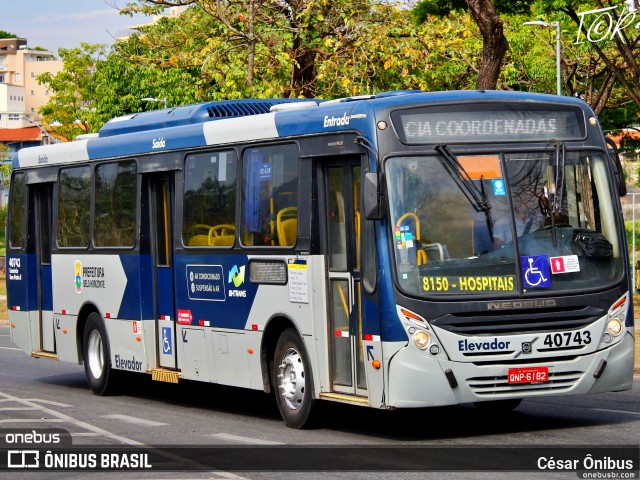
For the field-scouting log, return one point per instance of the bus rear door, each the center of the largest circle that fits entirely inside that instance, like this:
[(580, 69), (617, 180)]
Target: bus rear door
[(40, 221), (161, 226)]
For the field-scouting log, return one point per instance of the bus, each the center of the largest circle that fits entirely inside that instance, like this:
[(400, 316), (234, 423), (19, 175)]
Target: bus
[(399, 250)]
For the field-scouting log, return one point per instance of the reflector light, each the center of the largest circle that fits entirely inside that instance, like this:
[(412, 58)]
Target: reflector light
[(619, 303), (376, 364), (411, 315)]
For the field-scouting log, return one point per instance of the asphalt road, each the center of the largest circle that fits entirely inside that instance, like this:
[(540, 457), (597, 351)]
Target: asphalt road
[(41, 393)]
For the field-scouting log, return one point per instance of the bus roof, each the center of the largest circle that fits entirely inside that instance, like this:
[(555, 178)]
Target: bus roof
[(232, 121)]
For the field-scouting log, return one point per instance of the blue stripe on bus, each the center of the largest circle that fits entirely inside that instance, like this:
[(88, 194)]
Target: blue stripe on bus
[(220, 308), (392, 329), (153, 141), (138, 300), (22, 271)]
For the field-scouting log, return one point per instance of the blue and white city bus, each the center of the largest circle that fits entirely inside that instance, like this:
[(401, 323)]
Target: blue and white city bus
[(405, 249)]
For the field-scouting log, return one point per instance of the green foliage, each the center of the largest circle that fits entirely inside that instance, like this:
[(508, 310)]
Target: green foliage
[(71, 105), (5, 34), (261, 48), (443, 8), (628, 226)]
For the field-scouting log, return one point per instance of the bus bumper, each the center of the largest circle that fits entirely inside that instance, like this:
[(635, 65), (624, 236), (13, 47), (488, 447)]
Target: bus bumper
[(418, 381)]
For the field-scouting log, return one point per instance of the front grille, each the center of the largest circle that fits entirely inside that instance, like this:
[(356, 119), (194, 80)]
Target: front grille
[(558, 382), (520, 321)]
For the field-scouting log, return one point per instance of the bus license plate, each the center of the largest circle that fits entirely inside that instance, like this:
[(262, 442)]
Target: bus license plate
[(528, 375)]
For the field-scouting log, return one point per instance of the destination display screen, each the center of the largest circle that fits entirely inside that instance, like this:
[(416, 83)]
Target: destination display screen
[(490, 123)]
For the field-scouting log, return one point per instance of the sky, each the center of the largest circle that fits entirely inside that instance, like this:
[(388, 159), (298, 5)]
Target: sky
[(54, 24)]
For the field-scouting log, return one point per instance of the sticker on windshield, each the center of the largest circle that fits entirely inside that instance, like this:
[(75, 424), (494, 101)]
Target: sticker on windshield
[(404, 237), (535, 271), (566, 264), (498, 187)]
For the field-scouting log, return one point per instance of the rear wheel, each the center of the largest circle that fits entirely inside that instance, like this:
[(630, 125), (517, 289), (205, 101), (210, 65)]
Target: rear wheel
[(293, 380), (97, 357)]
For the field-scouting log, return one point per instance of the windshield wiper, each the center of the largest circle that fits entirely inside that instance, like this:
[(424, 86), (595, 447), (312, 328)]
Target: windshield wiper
[(476, 197)]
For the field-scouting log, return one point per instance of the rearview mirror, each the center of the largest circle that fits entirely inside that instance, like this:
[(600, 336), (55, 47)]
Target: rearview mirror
[(373, 206)]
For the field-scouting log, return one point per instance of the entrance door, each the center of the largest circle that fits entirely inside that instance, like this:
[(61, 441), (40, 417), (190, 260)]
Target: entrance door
[(342, 222), (42, 199), (160, 220)]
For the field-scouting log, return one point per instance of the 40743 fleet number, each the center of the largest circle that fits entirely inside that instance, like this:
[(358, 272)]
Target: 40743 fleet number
[(555, 341)]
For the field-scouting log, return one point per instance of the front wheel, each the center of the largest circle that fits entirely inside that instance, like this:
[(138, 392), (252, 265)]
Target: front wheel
[(97, 363), (293, 380)]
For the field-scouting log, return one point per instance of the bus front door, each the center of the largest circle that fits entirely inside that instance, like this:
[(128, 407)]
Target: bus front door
[(160, 220), (342, 222), (40, 222)]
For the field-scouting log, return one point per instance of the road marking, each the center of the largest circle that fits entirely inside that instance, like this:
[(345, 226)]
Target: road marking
[(50, 402), (8, 409), (9, 348), (249, 440), (33, 420), (61, 417), (135, 420)]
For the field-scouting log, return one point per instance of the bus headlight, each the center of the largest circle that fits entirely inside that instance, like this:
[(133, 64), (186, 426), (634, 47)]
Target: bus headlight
[(614, 327), (421, 339)]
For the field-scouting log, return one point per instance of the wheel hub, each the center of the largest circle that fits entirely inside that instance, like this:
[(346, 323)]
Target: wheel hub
[(291, 379)]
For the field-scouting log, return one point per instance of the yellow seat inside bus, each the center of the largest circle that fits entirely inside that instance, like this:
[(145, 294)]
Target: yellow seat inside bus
[(222, 235), (287, 224), (207, 236)]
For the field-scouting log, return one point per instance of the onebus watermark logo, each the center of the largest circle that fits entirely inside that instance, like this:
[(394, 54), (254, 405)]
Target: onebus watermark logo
[(78, 269)]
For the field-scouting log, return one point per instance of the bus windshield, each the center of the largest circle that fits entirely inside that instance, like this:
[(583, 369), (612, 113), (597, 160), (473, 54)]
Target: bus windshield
[(550, 224)]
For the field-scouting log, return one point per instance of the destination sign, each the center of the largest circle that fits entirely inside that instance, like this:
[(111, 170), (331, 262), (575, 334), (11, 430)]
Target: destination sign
[(491, 124)]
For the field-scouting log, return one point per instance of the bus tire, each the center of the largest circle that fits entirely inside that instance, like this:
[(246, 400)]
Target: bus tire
[(293, 380), (497, 406), (97, 357)]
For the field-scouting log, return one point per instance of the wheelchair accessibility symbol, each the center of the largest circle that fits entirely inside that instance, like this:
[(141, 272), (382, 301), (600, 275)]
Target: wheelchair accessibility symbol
[(167, 346), (536, 272)]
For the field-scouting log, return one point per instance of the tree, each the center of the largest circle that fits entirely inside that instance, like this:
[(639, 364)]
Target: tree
[(293, 35), (485, 15), (71, 106)]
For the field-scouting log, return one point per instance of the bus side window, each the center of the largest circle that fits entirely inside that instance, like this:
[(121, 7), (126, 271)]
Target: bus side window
[(270, 196), (210, 199), (74, 213), (17, 215), (115, 204)]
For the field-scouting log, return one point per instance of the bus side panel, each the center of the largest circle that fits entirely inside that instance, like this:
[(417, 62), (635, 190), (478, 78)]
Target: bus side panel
[(22, 300), (88, 279), (127, 348), (66, 335), (302, 302)]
